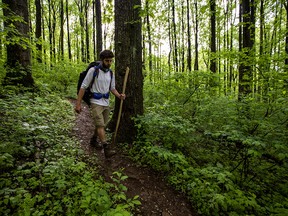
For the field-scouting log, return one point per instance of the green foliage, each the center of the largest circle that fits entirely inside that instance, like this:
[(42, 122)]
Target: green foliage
[(229, 157), (62, 78), (43, 172), (177, 130), (10, 35)]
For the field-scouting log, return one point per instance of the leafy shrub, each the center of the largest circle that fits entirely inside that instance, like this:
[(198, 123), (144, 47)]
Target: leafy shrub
[(42, 168), (62, 78), (229, 157), (165, 129)]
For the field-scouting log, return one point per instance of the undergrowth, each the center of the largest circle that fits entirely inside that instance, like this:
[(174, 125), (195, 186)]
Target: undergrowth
[(229, 157), (43, 171)]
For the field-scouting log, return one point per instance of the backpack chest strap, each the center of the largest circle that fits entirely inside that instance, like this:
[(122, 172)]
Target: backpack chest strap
[(98, 96)]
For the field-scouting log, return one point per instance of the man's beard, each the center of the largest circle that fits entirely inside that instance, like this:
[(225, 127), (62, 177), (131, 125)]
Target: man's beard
[(106, 66)]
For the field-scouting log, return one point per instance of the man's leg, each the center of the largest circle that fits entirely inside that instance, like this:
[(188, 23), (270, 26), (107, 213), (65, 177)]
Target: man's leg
[(101, 134), (107, 146), (100, 127), (100, 115)]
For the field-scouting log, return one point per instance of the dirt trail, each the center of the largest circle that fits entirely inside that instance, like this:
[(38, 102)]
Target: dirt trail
[(157, 198)]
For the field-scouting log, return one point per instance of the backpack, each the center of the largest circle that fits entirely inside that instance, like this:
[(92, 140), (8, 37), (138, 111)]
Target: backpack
[(88, 94)]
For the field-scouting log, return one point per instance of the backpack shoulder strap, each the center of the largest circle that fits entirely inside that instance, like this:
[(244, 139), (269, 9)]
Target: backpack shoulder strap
[(95, 74)]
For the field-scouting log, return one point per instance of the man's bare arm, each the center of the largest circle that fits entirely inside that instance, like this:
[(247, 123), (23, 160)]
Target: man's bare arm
[(79, 99)]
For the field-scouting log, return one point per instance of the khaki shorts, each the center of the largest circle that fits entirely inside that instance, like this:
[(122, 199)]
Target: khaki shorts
[(100, 115)]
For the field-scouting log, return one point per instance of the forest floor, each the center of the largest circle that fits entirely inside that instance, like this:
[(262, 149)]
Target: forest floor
[(156, 196)]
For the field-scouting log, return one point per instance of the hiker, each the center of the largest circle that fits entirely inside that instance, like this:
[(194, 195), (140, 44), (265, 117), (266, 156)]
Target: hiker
[(103, 84)]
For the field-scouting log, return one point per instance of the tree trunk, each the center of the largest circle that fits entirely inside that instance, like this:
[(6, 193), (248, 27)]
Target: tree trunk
[(149, 40), (128, 53), (61, 39), (189, 50), (245, 69), (196, 63), (38, 32), (53, 31), (170, 42), (68, 31), (183, 43), (99, 40), (286, 37), (50, 31), (213, 67), (94, 29), (82, 23), (225, 47), (174, 36), (52, 16), (86, 10), (244, 48), (18, 54), (43, 34)]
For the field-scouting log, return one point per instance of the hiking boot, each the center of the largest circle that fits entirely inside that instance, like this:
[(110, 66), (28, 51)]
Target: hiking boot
[(108, 152), (94, 141)]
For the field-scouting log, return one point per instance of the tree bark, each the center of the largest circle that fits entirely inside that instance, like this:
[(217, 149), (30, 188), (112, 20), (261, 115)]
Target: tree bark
[(99, 40), (196, 63), (213, 66), (286, 37), (189, 50), (19, 54), (53, 13), (246, 35), (94, 29), (174, 38), (82, 23), (86, 10), (183, 42), (50, 31), (38, 32), (68, 31), (44, 58), (128, 53), (61, 39), (149, 39)]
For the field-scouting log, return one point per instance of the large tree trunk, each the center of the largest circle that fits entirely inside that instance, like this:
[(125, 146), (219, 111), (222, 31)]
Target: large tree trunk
[(18, 54), (246, 35), (128, 53)]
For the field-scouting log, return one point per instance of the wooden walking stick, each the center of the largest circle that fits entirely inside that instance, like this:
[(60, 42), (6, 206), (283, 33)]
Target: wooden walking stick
[(121, 104)]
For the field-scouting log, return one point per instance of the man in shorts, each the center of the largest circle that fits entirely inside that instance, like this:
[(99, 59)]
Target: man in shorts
[(103, 84)]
